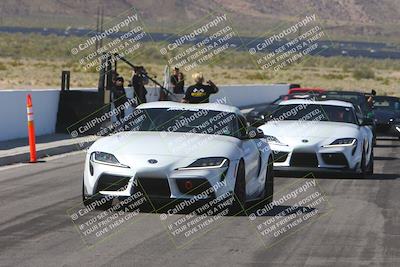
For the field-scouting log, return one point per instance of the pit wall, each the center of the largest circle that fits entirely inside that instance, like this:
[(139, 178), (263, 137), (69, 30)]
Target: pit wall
[(13, 118)]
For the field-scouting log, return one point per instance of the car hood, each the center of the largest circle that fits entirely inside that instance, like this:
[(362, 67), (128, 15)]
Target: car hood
[(310, 132), (172, 144)]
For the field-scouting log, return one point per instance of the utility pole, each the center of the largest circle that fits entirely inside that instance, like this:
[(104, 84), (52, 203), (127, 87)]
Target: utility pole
[(101, 24)]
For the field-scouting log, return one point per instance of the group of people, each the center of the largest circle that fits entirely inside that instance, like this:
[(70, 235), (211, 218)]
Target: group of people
[(138, 82), (199, 92), (196, 93)]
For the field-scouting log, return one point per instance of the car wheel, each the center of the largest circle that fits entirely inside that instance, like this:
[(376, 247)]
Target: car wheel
[(269, 182), (363, 167), (370, 169), (240, 190)]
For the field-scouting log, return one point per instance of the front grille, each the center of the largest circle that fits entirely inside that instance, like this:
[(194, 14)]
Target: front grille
[(108, 182), (335, 159), (280, 156), (304, 160), (154, 187), (197, 186)]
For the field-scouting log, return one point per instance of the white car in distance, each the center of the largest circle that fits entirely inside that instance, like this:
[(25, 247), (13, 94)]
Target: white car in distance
[(308, 135)]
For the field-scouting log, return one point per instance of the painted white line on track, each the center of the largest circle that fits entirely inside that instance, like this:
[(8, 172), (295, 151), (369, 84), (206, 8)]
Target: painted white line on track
[(50, 158)]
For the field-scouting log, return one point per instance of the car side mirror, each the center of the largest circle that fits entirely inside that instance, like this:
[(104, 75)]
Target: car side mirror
[(255, 133), (367, 122), (267, 118)]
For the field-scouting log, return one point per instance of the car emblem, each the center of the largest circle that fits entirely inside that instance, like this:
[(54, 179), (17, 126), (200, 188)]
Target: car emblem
[(304, 141), (152, 161)]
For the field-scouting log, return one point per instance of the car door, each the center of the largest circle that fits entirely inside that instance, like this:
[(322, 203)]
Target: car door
[(252, 159)]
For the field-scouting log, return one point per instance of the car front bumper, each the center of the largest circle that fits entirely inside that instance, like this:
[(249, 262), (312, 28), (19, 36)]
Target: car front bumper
[(388, 129), (314, 158), (105, 180)]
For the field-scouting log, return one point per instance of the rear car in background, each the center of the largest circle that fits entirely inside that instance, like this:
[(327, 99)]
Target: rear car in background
[(387, 115), (319, 136), (256, 117), (306, 90)]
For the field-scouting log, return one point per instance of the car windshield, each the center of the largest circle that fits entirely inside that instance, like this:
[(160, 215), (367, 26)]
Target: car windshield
[(387, 103), (353, 98), (185, 120), (313, 112)]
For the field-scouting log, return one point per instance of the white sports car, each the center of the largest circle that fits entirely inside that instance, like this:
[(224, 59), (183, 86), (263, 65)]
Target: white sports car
[(175, 151), (308, 135)]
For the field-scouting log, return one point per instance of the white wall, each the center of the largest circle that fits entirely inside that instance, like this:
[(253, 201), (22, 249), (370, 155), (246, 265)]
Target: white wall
[(13, 122), (13, 119), (242, 95)]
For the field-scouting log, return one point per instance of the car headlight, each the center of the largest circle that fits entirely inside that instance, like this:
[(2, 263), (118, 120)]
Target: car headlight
[(273, 140), (395, 121), (208, 163), (106, 158), (343, 142)]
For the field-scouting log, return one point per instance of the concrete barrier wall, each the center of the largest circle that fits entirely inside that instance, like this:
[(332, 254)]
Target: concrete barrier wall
[(13, 119), (244, 95), (45, 105)]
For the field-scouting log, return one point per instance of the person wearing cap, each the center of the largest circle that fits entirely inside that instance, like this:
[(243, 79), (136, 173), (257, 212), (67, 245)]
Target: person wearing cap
[(119, 96), (199, 92)]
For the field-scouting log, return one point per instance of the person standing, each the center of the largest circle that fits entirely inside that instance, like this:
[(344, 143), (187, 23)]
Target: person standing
[(180, 85), (138, 83), (199, 92), (119, 96), (174, 79)]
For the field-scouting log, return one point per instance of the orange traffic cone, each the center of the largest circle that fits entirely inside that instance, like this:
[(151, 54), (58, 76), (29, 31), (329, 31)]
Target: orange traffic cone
[(31, 129)]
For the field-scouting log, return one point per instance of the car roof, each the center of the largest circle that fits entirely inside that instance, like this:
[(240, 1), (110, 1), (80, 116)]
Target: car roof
[(311, 89), (386, 97), (311, 102), (206, 106), (342, 92)]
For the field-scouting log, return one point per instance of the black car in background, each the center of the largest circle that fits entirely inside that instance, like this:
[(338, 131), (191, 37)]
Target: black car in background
[(387, 115), (256, 117)]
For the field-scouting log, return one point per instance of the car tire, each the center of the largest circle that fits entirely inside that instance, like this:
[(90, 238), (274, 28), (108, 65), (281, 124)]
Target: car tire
[(269, 182), (363, 168), (240, 190), (370, 169)]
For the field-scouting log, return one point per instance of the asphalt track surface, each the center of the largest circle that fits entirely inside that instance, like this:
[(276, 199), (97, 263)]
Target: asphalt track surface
[(362, 227)]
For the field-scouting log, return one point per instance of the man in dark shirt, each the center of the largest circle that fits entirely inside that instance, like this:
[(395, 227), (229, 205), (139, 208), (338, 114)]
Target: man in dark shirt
[(199, 92), (138, 83), (177, 81), (119, 96)]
